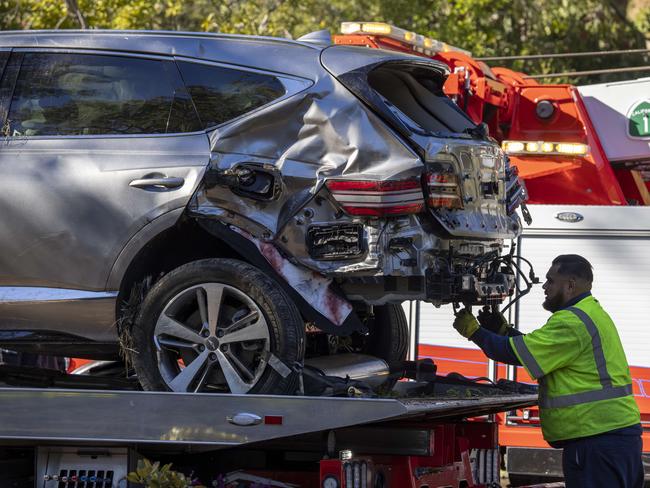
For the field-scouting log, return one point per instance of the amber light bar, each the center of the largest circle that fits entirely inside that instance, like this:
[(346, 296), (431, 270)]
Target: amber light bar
[(420, 43), (542, 147), (378, 198)]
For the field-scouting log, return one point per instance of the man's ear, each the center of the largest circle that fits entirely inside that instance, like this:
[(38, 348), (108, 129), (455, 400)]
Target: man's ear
[(572, 284)]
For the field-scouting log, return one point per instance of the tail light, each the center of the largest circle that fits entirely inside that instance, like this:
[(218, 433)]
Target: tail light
[(444, 190), (378, 198)]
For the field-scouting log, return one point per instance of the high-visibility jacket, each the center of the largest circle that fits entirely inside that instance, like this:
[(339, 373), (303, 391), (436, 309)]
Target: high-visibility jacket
[(585, 386)]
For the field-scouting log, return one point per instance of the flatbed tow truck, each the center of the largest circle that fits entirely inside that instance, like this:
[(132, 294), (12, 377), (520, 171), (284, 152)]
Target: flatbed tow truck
[(77, 436), (76, 431)]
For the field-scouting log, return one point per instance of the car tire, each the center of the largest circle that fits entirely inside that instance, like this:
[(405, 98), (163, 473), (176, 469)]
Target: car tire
[(218, 325), (389, 337)]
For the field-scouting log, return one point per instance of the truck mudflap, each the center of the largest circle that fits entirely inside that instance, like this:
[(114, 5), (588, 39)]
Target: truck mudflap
[(215, 420)]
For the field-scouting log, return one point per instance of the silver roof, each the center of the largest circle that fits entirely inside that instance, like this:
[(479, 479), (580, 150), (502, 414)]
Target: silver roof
[(268, 53)]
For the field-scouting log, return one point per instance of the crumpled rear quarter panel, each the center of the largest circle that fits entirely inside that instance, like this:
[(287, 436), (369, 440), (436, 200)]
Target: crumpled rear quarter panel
[(322, 132)]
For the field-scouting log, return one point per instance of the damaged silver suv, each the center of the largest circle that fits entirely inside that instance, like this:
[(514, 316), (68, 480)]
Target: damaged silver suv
[(223, 208)]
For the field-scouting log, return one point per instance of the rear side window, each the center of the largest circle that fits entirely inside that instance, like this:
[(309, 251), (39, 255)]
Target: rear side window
[(5, 86), (222, 94), (83, 94), (4, 57), (417, 93)]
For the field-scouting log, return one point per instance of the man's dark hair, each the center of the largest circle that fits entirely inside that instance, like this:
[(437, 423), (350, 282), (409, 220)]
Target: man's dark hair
[(574, 265)]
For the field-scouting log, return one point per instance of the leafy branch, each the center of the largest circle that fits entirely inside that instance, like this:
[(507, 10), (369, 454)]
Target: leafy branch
[(153, 475)]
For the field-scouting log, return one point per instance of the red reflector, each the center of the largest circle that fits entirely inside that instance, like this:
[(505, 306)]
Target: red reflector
[(273, 419)]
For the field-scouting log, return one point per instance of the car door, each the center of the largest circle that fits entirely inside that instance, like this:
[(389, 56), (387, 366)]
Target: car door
[(95, 146)]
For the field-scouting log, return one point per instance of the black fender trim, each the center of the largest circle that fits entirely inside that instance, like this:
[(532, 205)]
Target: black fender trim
[(251, 254)]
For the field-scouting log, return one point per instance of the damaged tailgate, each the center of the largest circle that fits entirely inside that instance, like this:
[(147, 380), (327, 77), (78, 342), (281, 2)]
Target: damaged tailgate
[(470, 188)]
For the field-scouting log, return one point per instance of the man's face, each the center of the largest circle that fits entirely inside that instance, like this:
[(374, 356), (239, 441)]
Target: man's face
[(557, 289)]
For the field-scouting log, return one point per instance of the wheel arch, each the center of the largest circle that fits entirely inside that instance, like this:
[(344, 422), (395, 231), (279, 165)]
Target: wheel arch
[(179, 239), (164, 244), (253, 256)]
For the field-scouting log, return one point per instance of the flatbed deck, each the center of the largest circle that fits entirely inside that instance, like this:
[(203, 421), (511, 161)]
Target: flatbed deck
[(104, 417)]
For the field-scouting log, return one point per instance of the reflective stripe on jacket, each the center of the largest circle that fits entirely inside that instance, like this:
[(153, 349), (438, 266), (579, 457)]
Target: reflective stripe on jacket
[(584, 378)]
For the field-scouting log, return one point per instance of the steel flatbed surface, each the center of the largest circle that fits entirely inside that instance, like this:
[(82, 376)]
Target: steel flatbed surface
[(135, 417)]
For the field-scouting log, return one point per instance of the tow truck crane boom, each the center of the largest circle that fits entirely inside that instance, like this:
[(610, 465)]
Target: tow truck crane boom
[(545, 128)]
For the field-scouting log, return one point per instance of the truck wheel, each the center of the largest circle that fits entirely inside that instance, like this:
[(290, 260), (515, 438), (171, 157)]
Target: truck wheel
[(389, 337), (217, 325)]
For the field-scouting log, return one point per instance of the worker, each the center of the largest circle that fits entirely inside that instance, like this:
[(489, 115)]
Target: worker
[(585, 389)]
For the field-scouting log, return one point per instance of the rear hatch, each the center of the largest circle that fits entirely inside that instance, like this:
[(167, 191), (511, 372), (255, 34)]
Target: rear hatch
[(468, 185)]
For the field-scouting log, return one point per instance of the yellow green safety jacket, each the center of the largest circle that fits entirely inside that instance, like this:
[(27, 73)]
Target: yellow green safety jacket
[(585, 386)]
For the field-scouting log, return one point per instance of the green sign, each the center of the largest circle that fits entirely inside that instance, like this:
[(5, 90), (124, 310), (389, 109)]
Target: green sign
[(639, 120)]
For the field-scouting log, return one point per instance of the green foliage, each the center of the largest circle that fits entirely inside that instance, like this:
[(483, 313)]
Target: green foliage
[(152, 475), (485, 27), (642, 20)]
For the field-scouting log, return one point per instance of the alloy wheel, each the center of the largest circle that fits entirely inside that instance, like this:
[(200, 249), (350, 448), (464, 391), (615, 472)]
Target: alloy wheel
[(212, 337)]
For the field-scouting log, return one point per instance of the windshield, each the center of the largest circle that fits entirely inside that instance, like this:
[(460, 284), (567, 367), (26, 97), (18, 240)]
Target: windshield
[(417, 93)]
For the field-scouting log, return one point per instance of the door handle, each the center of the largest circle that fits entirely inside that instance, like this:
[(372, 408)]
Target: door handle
[(164, 182)]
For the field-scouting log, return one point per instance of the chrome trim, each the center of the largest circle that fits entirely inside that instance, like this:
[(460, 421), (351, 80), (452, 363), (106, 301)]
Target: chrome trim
[(15, 294), (22, 138), (244, 419), (109, 152), (520, 417), (365, 199), (242, 67), (570, 217), (101, 52)]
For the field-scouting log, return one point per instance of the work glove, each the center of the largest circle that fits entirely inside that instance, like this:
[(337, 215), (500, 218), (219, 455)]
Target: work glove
[(465, 323), (493, 321)]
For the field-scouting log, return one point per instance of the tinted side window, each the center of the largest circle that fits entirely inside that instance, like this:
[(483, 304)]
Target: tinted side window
[(4, 82), (4, 57), (84, 94), (221, 94)]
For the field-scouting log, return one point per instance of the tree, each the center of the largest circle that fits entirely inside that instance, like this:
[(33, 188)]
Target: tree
[(485, 27)]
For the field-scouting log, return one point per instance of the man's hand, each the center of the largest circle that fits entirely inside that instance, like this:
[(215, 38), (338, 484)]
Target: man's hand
[(465, 323), (493, 321)]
